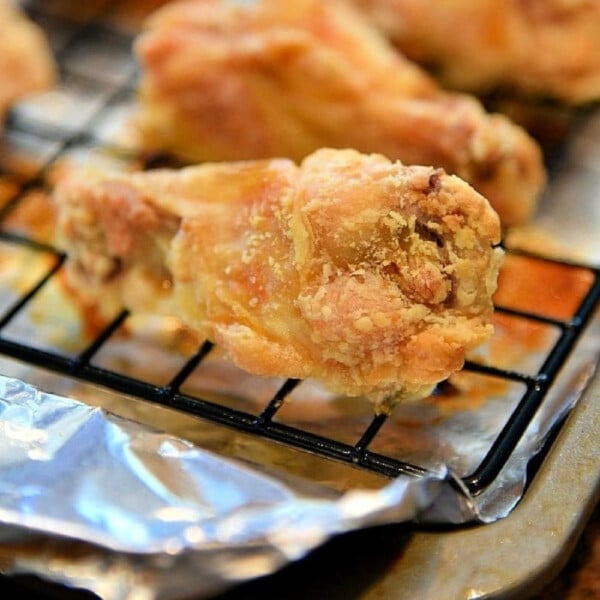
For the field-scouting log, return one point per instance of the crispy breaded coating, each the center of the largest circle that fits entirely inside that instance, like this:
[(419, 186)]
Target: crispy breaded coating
[(26, 63), (548, 48), (373, 277), (228, 81)]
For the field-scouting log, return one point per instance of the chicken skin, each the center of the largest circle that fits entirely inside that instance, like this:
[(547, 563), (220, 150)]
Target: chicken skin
[(548, 48), (26, 64), (372, 277), (235, 81)]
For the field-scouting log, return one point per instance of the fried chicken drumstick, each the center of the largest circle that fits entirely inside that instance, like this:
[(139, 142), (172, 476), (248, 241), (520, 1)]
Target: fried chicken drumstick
[(373, 277), (26, 65), (548, 48), (229, 81)]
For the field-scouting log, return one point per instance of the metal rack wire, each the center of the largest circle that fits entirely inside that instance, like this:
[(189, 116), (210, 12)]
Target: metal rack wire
[(74, 43)]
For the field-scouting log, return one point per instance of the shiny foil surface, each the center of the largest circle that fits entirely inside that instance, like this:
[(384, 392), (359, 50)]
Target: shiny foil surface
[(69, 470)]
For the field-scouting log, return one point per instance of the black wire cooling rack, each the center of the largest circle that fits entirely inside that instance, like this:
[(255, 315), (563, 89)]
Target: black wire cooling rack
[(98, 76)]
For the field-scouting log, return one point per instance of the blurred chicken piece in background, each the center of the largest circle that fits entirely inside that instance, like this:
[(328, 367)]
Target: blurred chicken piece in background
[(26, 62), (231, 80), (540, 48)]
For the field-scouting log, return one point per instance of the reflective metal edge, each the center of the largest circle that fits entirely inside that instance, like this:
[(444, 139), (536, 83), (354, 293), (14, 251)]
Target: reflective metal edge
[(518, 555)]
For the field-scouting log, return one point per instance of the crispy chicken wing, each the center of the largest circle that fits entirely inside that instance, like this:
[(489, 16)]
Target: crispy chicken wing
[(228, 81), (540, 47), (26, 65), (373, 277)]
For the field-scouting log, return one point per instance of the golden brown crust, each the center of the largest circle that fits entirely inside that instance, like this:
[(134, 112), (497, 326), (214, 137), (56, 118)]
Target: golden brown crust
[(230, 81), (26, 65), (373, 277), (540, 47)]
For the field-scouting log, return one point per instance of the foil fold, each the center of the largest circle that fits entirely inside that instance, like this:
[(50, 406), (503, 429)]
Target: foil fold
[(71, 471)]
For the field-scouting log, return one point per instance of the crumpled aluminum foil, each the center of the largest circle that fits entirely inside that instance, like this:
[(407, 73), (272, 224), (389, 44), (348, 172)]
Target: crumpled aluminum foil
[(69, 470)]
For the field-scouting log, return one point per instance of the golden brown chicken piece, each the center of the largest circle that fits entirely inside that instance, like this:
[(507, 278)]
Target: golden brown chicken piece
[(228, 81), (26, 64), (370, 276), (547, 48)]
